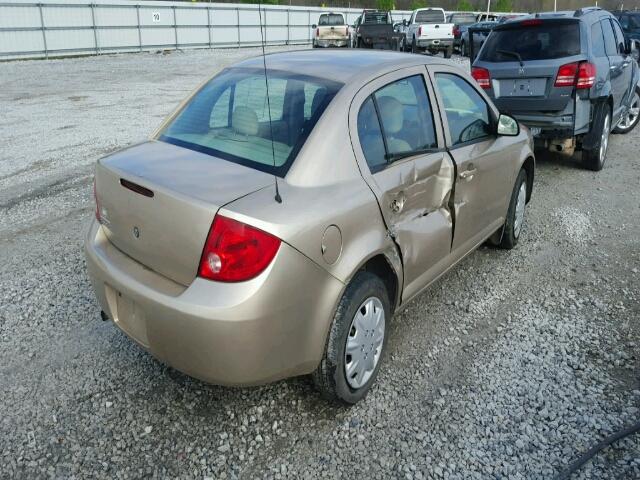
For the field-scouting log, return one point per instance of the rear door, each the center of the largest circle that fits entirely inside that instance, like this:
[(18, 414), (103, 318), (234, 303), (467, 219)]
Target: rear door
[(616, 67), (524, 58), (484, 177), (399, 148), (625, 68)]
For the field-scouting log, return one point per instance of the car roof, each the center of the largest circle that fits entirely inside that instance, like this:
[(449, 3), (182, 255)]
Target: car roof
[(339, 65)]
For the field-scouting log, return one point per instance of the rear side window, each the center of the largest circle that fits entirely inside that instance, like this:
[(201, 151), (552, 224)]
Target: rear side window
[(229, 117), (331, 19), (609, 37), (597, 41), (544, 41), (429, 16), (467, 112), (396, 120)]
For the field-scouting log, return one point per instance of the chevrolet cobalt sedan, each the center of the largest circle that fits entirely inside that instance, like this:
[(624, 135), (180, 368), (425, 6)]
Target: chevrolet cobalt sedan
[(264, 233)]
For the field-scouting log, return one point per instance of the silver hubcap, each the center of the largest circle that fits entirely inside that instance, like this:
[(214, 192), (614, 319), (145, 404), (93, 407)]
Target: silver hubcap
[(604, 141), (632, 115), (522, 200), (364, 342)]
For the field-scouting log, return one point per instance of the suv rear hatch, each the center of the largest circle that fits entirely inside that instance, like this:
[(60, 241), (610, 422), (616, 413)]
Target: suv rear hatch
[(156, 203), (524, 58)]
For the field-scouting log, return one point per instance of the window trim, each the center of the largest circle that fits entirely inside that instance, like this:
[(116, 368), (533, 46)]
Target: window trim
[(409, 157), (491, 110)]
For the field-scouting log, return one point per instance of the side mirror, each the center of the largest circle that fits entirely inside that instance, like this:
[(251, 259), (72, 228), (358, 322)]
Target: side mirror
[(314, 26), (405, 22), (508, 126)]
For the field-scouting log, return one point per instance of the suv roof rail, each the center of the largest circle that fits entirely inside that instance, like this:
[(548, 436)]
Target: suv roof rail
[(581, 11)]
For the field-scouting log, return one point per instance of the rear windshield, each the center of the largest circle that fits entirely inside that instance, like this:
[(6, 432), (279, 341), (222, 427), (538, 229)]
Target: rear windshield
[(462, 19), (535, 42), (429, 16), (229, 117), (376, 17), (331, 19)]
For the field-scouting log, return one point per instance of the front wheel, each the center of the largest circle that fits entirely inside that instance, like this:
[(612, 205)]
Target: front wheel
[(356, 341), (630, 120), (515, 215)]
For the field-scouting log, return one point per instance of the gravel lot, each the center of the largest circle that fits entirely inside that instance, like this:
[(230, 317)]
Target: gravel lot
[(509, 367)]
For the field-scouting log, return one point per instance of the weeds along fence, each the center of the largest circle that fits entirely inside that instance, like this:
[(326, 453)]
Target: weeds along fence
[(71, 27)]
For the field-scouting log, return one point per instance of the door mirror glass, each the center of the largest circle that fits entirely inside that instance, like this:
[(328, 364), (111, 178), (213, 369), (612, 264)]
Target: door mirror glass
[(508, 126), (314, 26)]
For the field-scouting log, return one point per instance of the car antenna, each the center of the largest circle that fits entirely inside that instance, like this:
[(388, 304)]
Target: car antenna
[(278, 198)]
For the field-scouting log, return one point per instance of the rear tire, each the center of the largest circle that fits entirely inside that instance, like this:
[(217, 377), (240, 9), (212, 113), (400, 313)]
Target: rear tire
[(629, 121), (365, 293), (594, 157), (515, 215)]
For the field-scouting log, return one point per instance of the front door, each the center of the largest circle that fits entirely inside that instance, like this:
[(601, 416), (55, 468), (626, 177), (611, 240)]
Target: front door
[(483, 178), (618, 68), (399, 150)]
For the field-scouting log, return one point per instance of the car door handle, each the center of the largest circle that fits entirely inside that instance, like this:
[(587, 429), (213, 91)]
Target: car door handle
[(397, 204), (467, 174)]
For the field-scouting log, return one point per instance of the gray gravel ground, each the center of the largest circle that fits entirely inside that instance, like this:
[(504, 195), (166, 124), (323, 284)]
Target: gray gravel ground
[(509, 367)]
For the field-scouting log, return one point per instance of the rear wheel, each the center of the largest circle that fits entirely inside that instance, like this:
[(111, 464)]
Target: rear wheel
[(630, 120), (356, 341), (594, 157)]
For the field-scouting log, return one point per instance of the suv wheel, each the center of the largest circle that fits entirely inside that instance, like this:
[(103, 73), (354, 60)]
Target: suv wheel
[(630, 120), (594, 158), (356, 341)]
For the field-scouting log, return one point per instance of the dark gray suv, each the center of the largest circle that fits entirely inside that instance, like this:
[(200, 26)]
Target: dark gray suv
[(568, 76)]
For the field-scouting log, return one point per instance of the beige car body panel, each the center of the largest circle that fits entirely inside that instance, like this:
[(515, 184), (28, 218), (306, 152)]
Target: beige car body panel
[(335, 216)]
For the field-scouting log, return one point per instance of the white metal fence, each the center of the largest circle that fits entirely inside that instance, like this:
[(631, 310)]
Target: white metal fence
[(71, 27)]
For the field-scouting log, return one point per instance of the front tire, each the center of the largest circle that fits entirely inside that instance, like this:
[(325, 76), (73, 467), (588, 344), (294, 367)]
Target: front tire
[(515, 215), (356, 342), (594, 157), (630, 120)]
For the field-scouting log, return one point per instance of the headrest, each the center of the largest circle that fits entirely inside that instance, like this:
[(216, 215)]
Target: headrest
[(245, 121), (392, 114)]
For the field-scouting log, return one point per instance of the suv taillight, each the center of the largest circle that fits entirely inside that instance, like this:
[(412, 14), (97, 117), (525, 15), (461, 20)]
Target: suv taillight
[(586, 75), (577, 74), (482, 76), (235, 252)]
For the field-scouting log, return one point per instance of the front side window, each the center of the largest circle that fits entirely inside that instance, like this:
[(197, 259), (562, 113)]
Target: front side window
[(619, 37), (396, 122), (232, 118), (467, 112)]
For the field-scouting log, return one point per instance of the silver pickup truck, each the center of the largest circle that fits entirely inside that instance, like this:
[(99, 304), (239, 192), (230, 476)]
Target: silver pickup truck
[(428, 30), (331, 31)]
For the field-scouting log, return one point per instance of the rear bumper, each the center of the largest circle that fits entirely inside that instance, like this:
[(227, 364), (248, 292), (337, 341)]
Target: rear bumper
[(435, 43), (341, 42), (268, 328)]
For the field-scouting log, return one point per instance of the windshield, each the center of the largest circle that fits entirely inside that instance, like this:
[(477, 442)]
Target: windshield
[(331, 19), (229, 117), (429, 16), (376, 17), (462, 19), (536, 42)]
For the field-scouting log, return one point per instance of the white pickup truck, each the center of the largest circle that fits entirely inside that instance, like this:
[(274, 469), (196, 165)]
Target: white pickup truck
[(428, 30)]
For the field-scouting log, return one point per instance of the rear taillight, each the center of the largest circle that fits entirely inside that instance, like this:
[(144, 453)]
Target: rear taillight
[(577, 74), (420, 31), (317, 32), (456, 31), (95, 198), (482, 76), (531, 23), (566, 76), (235, 252), (586, 75)]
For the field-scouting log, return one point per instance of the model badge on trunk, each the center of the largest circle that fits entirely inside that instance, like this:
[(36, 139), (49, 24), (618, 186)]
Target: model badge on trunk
[(136, 232)]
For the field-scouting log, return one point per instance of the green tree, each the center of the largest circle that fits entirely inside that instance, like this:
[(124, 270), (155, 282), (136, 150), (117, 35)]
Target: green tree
[(385, 5), (415, 4), (503, 6), (464, 6)]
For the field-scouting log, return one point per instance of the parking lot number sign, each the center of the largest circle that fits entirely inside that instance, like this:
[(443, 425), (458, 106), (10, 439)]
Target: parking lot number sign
[(156, 17)]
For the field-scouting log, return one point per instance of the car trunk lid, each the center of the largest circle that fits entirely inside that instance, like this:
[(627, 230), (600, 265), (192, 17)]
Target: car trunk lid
[(157, 202)]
